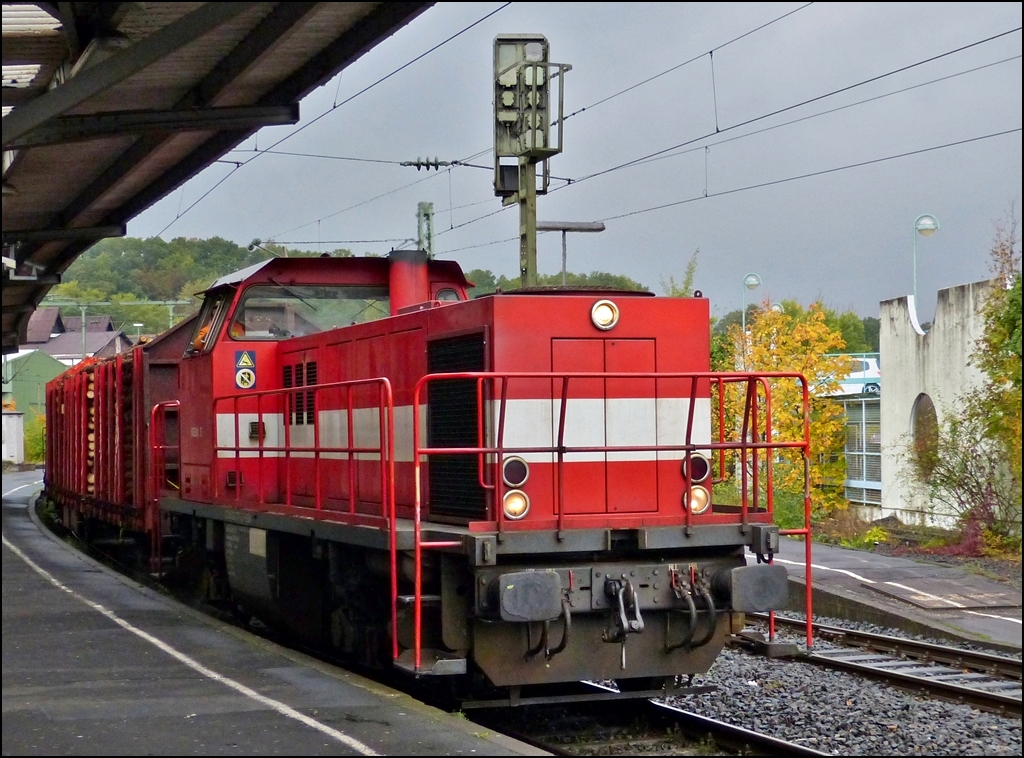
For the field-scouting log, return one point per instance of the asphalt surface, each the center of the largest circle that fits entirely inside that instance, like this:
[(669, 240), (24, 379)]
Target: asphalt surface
[(914, 595), (95, 664)]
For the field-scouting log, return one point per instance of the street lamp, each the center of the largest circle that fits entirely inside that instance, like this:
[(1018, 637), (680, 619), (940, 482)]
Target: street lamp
[(750, 282), (138, 331), (926, 225), (568, 226)]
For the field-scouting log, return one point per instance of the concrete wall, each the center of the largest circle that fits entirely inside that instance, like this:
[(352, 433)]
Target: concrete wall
[(936, 364), (13, 437)]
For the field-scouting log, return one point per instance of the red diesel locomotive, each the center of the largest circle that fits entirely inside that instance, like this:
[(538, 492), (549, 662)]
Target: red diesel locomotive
[(515, 489)]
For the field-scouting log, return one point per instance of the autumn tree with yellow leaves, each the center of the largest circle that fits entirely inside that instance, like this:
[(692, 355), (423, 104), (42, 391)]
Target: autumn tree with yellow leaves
[(797, 340)]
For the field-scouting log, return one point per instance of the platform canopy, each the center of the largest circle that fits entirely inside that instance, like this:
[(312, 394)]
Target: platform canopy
[(108, 107)]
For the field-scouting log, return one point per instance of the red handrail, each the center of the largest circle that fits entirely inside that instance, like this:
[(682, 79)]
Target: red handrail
[(158, 448), (748, 446)]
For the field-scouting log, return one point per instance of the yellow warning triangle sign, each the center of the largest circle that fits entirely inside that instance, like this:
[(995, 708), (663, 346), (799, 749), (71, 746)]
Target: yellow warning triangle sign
[(245, 361)]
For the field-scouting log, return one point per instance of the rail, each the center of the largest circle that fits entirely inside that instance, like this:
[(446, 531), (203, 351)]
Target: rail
[(494, 385)]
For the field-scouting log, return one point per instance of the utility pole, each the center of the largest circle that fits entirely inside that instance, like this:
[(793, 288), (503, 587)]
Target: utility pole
[(523, 79), (425, 228)]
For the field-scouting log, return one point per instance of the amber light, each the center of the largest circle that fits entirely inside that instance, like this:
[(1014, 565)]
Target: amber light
[(515, 504), (699, 500)]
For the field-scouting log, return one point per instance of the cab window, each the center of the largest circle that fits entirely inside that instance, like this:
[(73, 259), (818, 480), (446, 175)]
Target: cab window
[(278, 311), (210, 316)]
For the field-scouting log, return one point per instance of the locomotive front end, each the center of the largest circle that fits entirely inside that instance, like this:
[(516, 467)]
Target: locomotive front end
[(579, 439)]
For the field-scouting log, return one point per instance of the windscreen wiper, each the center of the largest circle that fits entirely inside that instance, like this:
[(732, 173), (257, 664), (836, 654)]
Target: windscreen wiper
[(295, 294)]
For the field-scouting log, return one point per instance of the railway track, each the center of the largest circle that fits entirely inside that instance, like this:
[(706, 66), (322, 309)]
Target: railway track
[(983, 680), (628, 727)]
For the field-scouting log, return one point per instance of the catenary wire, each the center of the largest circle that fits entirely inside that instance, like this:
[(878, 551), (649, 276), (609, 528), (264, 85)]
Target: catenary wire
[(648, 158), (684, 63), (465, 161), (761, 185), (812, 174), (800, 104)]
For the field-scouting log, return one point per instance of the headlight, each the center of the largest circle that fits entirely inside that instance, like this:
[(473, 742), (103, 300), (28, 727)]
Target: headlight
[(699, 500), (515, 504), (698, 468), (515, 471), (604, 314)]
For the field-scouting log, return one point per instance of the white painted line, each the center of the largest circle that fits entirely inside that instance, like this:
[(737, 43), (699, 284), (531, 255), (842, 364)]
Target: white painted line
[(860, 578), (939, 598), (275, 705), (993, 616), (818, 566), (952, 603), (33, 484)]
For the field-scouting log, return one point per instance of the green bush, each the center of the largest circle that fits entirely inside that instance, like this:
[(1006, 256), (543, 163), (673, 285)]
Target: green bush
[(35, 438)]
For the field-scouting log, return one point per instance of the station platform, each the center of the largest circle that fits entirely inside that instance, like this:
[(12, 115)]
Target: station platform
[(918, 597), (96, 664)]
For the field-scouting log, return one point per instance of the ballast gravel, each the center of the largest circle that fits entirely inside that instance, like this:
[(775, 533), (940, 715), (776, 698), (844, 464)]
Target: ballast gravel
[(843, 714)]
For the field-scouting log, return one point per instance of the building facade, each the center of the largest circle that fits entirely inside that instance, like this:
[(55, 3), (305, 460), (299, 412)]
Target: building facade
[(925, 374)]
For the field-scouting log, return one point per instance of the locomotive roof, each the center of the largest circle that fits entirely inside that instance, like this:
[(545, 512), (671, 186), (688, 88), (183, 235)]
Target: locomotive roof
[(363, 270)]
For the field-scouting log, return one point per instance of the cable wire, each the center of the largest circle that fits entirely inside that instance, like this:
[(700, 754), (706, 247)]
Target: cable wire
[(798, 105), (335, 106), (813, 174)]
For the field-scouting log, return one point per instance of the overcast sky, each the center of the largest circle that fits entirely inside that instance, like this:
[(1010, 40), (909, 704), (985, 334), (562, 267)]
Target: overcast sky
[(845, 237)]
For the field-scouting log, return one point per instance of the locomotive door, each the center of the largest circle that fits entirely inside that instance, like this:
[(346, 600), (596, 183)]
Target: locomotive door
[(599, 413)]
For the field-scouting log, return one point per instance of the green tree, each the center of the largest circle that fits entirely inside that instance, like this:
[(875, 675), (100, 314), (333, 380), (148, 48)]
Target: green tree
[(487, 283), (998, 353), (872, 328), (851, 326), (686, 288)]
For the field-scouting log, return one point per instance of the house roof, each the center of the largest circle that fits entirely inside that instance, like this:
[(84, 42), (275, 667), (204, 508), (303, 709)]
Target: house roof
[(43, 323), (92, 324), (68, 346)]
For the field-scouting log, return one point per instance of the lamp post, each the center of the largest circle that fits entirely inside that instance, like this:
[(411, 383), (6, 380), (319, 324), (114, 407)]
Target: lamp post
[(750, 282), (568, 226), (138, 332), (926, 225)]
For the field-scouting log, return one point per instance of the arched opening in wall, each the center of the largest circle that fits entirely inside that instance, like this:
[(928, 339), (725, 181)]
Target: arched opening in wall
[(924, 431)]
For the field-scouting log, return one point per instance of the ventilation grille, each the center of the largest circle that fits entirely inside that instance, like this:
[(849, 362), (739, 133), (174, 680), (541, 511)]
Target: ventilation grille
[(453, 482), (300, 404)]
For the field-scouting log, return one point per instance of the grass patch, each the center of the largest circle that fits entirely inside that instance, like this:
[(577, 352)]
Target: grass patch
[(788, 507)]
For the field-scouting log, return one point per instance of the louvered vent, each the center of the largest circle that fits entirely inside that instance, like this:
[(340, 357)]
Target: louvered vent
[(311, 380), (288, 381), (454, 488)]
